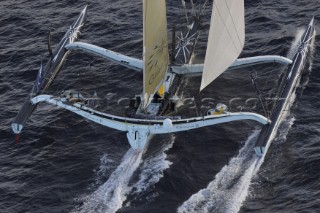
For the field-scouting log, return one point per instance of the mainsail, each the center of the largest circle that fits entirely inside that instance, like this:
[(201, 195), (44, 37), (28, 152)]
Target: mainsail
[(155, 46), (226, 38)]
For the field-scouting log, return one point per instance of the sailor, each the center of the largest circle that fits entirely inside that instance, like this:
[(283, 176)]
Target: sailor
[(220, 109)]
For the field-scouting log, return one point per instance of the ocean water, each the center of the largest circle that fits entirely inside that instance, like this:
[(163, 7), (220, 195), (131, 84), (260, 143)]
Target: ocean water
[(64, 163)]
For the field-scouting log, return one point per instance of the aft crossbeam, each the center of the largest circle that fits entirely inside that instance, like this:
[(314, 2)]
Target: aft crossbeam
[(138, 129)]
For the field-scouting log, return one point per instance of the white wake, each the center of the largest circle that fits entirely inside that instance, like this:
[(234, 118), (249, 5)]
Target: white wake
[(230, 187), (153, 168), (110, 196)]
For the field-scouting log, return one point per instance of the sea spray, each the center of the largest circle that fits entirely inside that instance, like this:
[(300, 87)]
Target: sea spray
[(295, 44), (110, 196), (107, 165), (152, 169), (230, 187)]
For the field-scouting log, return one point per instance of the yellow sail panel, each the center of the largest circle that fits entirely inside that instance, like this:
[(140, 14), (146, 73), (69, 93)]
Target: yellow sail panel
[(226, 38), (155, 43)]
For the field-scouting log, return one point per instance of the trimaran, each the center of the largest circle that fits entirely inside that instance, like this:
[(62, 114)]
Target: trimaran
[(149, 113)]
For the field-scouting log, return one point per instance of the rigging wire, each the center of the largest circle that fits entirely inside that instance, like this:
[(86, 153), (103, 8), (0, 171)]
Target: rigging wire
[(253, 78)]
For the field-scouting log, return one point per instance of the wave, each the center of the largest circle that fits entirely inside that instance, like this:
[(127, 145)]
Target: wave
[(107, 164), (110, 196), (230, 187), (152, 169)]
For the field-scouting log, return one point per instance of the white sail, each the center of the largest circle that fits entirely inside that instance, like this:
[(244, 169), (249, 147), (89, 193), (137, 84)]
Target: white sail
[(226, 38), (155, 46)]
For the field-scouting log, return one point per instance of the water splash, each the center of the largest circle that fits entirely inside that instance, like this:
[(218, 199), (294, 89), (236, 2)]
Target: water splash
[(110, 196), (105, 169), (152, 169), (231, 185), (295, 44)]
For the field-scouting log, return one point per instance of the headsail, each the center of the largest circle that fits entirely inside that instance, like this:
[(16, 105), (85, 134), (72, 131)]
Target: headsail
[(226, 38), (155, 46)]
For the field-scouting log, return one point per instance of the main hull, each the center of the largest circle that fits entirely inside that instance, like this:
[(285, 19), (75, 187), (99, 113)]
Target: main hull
[(288, 86)]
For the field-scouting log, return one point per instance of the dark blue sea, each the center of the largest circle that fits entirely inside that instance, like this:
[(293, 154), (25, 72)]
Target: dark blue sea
[(64, 163)]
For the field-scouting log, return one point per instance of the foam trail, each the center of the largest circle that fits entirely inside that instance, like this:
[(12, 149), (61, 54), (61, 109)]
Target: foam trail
[(152, 169), (110, 196), (107, 165), (230, 187)]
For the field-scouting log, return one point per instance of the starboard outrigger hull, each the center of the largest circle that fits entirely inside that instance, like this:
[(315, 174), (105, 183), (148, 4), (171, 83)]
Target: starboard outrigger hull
[(290, 82)]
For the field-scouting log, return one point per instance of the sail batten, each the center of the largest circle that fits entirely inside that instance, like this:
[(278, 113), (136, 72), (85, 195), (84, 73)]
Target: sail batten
[(226, 38), (155, 46)]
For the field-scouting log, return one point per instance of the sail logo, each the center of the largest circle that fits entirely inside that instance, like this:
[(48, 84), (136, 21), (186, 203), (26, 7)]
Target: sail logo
[(157, 60)]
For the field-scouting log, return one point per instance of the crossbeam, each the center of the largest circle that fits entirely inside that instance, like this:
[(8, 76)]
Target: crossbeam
[(138, 129), (126, 61), (185, 69), (197, 69)]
